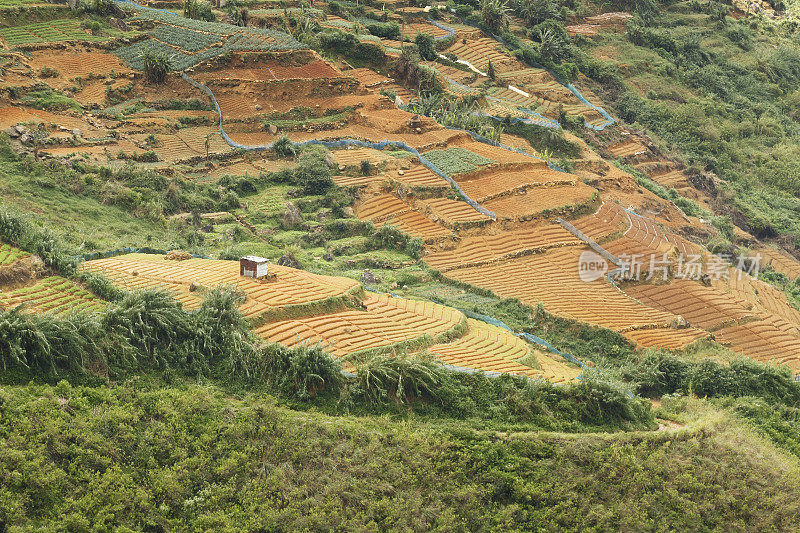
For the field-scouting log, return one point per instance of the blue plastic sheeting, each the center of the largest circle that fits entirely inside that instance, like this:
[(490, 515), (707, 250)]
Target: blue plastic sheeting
[(450, 31), (527, 336), (537, 119), (395, 145), (609, 119)]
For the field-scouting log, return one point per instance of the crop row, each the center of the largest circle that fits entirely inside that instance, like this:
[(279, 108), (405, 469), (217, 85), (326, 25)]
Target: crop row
[(488, 248), (188, 42), (9, 254), (386, 322), (538, 200), (552, 279), (45, 32), (52, 295), (456, 160)]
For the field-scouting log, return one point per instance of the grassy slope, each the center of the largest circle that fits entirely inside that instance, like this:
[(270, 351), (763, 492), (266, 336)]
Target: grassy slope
[(151, 457), (739, 124), (81, 219)]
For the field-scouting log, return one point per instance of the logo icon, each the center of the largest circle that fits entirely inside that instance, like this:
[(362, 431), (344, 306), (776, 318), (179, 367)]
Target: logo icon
[(591, 266)]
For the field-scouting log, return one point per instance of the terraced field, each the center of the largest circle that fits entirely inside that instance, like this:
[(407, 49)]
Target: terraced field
[(628, 149), (274, 71), (699, 305), (190, 42), (778, 261), (456, 160), (53, 294), (483, 249), (10, 254), (48, 32), (626, 234), (482, 50), (552, 279), (387, 208), (759, 296), (495, 183), (420, 176), (493, 349), (290, 287), (387, 322), (746, 326), (534, 202), (453, 213), (354, 156)]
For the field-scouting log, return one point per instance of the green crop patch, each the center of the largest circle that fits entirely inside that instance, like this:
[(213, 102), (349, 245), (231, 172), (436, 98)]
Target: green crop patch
[(49, 32), (9, 254), (188, 42), (456, 160)]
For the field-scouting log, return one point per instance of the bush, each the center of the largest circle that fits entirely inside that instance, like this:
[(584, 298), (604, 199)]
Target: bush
[(384, 30), (662, 373), (156, 65), (400, 380), (312, 173), (198, 10), (426, 46), (284, 147), (156, 326), (303, 372)]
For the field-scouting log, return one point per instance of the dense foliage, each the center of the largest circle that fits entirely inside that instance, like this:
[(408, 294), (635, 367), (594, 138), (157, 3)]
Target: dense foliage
[(145, 456)]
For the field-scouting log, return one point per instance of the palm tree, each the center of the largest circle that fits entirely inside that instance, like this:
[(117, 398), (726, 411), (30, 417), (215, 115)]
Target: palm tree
[(551, 45), (537, 11), (494, 14)]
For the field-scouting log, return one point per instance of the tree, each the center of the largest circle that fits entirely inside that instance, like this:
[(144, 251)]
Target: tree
[(537, 11), (551, 44), (39, 137), (494, 14), (425, 44), (490, 71)]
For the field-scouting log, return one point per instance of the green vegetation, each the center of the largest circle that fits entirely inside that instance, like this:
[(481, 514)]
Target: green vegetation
[(52, 31), (134, 414), (156, 65), (43, 97), (456, 160), (145, 455), (720, 94)]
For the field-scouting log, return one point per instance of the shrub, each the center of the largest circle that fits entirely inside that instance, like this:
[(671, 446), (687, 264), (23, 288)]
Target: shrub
[(303, 372), (155, 325), (312, 173), (398, 379), (198, 10), (222, 331), (426, 46), (384, 30), (156, 65), (600, 401), (284, 147)]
